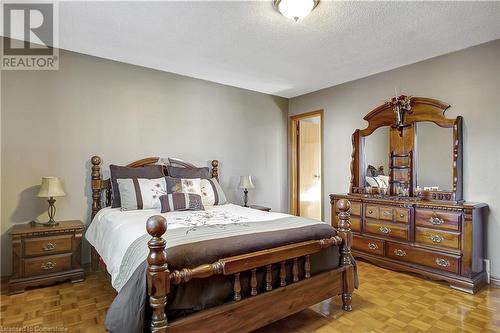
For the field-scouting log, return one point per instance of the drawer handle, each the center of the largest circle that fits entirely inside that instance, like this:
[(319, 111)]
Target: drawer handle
[(384, 230), (436, 238), (401, 215), (436, 220), (386, 213), (442, 262), (48, 265), (399, 253), (49, 247), (370, 212), (372, 246)]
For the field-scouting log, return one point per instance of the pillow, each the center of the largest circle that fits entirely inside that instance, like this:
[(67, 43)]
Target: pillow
[(383, 180), (141, 193), (373, 181), (120, 172), (211, 192), (180, 185), (180, 201), (180, 163), (188, 173)]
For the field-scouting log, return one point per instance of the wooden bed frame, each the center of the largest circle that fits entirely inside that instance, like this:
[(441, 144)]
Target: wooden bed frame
[(244, 314)]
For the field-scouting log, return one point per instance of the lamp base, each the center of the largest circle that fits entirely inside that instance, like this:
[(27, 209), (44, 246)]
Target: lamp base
[(46, 224), (245, 198)]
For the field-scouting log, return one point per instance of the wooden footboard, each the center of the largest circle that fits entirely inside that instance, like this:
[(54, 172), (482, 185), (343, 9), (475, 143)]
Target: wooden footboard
[(257, 310)]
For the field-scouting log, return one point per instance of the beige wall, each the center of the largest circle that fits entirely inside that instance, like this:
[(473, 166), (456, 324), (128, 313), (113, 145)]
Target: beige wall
[(469, 80), (53, 121)]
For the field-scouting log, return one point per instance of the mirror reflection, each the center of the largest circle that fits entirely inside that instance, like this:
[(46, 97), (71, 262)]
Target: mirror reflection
[(377, 158), (435, 157)]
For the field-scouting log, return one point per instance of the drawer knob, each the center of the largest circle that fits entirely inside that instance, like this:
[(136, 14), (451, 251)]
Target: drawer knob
[(370, 212), (436, 220), (399, 253), (436, 238), (442, 262), (401, 215), (384, 230), (372, 246), (49, 246), (48, 265)]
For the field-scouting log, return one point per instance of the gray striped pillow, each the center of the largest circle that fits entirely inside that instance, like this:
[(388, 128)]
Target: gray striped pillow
[(180, 201), (211, 192)]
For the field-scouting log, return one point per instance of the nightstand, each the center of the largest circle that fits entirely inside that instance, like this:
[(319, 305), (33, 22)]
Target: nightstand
[(44, 255), (263, 208)]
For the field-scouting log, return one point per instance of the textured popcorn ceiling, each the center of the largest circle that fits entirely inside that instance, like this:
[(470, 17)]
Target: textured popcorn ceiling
[(249, 45)]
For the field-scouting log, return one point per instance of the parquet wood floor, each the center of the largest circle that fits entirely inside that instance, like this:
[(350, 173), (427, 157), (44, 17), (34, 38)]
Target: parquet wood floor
[(385, 302)]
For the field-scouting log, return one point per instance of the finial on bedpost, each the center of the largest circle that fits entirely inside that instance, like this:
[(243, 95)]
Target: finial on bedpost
[(344, 231), (96, 184), (158, 277), (215, 169)]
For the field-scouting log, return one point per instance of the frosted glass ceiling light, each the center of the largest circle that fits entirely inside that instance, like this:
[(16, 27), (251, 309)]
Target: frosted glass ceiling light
[(295, 9)]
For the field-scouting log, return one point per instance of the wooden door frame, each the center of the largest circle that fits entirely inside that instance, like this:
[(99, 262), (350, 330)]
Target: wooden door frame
[(294, 159)]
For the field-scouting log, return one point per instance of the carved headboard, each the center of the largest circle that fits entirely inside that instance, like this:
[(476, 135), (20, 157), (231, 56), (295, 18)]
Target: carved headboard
[(100, 186)]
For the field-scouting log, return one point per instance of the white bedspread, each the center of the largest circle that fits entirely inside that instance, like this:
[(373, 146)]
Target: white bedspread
[(113, 231)]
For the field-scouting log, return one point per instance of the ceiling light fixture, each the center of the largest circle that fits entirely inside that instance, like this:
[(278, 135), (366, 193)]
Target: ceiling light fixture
[(295, 9)]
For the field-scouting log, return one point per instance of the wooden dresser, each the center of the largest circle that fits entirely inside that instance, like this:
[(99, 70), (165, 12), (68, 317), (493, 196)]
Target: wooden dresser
[(440, 241), (417, 221), (44, 255)]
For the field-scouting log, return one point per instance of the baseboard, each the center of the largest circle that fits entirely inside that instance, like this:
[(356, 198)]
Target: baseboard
[(495, 281)]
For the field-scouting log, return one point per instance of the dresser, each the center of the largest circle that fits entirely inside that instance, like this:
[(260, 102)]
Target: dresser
[(439, 241), (44, 255), (407, 207)]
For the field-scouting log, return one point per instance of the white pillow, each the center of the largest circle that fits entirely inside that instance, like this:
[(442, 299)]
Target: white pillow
[(372, 181), (141, 193), (383, 180), (212, 193)]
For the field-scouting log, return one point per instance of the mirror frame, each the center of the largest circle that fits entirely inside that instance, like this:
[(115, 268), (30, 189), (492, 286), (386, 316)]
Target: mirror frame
[(422, 109)]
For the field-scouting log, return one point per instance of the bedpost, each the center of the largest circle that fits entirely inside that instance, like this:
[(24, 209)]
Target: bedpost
[(215, 169), (344, 231), (158, 276), (96, 184)]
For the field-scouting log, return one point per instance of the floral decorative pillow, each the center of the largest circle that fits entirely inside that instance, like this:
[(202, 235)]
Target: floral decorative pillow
[(141, 193), (182, 185), (211, 192)]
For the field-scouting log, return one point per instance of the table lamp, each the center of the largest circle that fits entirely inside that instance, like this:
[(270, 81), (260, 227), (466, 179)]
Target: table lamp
[(51, 187), (245, 184)]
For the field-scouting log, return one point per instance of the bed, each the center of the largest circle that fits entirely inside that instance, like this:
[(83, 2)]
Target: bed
[(225, 269)]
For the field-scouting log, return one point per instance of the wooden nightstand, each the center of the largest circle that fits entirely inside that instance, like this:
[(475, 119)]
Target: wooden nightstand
[(44, 255), (263, 208)]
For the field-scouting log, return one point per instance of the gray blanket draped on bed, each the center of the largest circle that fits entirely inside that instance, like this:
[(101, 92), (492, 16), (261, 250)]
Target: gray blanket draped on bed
[(130, 311)]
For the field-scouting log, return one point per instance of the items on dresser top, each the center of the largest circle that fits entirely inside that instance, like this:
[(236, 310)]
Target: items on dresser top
[(50, 187), (44, 255)]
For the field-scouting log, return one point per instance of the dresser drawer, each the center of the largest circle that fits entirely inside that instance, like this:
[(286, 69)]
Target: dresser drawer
[(368, 245), (402, 215), (428, 258), (47, 264), (387, 229), (47, 245), (440, 238), (437, 219), (371, 212), (385, 213), (356, 208)]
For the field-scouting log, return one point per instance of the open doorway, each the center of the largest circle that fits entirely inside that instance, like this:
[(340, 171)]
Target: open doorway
[(306, 148)]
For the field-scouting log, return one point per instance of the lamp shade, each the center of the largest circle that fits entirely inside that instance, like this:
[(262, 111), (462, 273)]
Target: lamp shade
[(51, 187), (246, 182)]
